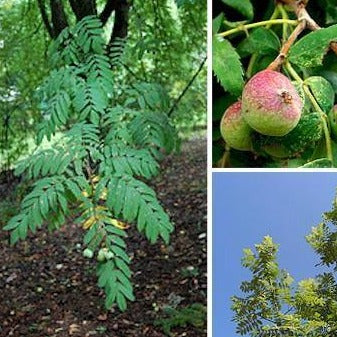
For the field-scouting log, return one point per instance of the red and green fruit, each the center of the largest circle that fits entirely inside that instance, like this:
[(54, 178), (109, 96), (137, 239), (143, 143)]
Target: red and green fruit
[(234, 129), (270, 103)]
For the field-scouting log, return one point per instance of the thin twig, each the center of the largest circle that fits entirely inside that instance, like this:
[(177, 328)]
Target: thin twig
[(187, 86), (276, 64), (258, 24)]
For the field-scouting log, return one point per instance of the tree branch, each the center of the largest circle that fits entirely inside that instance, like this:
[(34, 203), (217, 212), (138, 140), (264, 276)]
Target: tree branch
[(120, 29), (187, 87), (44, 16), (82, 8), (110, 6), (58, 17), (88, 7), (76, 9)]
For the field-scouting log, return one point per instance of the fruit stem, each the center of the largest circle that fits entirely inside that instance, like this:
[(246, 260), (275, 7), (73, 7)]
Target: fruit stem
[(251, 64), (324, 120), (293, 72), (224, 160), (241, 28), (327, 137), (313, 101)]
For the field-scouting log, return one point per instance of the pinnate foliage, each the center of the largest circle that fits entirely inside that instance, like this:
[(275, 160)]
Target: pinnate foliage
[(107, 149), (194, 314), (272, 305)]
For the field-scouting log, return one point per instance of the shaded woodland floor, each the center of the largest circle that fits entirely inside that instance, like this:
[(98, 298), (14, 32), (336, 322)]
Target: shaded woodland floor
[(47, 289)]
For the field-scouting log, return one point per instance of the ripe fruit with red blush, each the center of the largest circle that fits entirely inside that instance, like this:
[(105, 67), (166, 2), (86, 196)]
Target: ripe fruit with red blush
[(234, 129), (270, 103)]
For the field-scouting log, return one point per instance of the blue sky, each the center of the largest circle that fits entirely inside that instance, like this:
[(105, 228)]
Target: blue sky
[(248, 206)]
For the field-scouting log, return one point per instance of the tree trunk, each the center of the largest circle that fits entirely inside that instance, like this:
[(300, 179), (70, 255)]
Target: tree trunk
[(110, 6), (58, 17), (120, 29), (82, 8)]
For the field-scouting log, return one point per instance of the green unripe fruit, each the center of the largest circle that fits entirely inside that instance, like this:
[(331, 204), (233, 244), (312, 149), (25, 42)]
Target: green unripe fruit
[(101, 255), (109, 255), (234, 129), (308, 131), (88, 253), (271, 104)]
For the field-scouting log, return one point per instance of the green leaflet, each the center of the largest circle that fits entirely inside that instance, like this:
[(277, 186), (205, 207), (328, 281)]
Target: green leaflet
[(303, 137), (89, 33), (322, 91), (194, 314), (243, 6), (310, 50), (216, 24), (227, 66), (114, 274), (134, 200), (47, 197), (125, 159), (153, 129), (261, 40)]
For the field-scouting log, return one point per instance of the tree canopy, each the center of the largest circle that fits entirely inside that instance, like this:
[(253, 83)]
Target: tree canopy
[(272, 304)]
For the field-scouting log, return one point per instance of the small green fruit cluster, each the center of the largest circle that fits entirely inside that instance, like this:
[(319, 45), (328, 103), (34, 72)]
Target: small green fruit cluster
[(88, 253), (103, 254), (234, 129), (270, 106)]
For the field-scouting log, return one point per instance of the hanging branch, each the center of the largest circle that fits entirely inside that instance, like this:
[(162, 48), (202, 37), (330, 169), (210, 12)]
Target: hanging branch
[(175, 104), (299, 7)]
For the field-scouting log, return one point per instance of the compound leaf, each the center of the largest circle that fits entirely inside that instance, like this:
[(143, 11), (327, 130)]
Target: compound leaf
[(227, 66)]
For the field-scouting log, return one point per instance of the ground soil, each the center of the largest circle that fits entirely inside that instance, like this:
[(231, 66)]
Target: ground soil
[(47, 289)]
